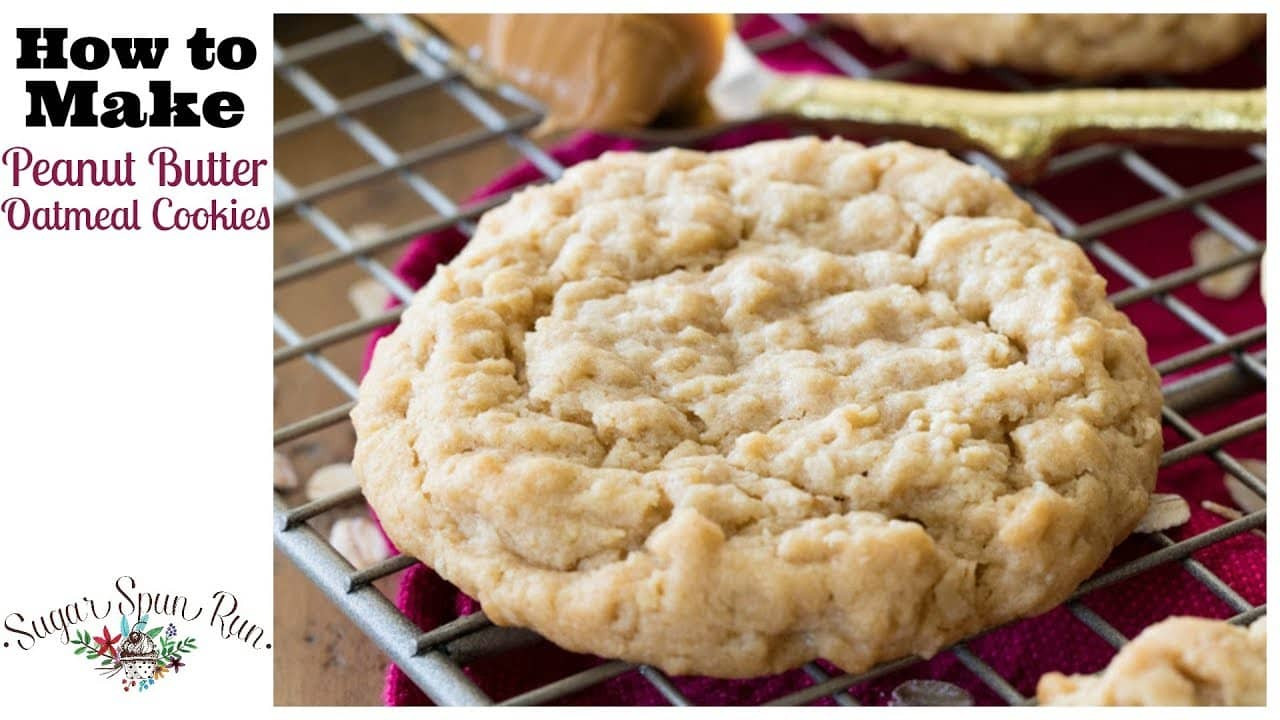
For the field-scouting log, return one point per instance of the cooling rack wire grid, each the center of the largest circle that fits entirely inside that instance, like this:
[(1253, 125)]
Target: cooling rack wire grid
[(1223, 365)]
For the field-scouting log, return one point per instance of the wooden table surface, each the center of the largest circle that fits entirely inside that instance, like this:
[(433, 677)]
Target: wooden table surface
[(321, 657)]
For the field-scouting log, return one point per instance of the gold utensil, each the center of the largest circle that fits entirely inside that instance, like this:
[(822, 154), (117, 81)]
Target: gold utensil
[(1018, 129)]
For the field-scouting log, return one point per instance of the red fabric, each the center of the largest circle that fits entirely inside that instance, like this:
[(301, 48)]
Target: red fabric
[(1025, 650)]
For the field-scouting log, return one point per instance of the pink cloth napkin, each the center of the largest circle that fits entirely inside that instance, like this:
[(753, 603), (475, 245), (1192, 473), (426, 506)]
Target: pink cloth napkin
[(1024, 650)]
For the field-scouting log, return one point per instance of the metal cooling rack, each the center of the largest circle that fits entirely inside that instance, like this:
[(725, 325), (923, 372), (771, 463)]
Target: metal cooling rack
[(433, 659)]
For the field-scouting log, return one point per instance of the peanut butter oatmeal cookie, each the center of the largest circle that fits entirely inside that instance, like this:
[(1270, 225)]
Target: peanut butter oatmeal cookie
[(1070, 45), (729, 412), (1181, 661)]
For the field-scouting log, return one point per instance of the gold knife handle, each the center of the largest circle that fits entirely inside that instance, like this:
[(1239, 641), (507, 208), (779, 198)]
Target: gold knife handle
[(1021, 129)]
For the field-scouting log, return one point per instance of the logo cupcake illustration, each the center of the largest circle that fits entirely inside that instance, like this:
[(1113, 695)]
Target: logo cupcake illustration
[(137, 655)]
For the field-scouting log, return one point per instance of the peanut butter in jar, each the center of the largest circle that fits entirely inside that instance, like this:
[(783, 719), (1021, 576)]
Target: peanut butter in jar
[(596, 71)]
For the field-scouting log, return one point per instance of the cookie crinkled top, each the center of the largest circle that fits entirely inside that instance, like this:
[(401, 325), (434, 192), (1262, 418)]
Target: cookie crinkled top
[(729, 412)]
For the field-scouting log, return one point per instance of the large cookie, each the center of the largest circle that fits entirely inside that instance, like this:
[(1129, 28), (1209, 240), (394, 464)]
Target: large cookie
[(725, 413), (1071, 45), (1181, 661)]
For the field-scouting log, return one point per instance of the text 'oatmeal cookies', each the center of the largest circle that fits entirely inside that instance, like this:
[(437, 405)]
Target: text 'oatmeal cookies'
[(726, 413)]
